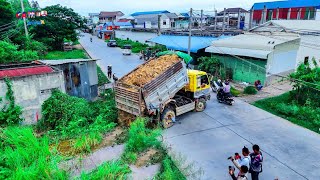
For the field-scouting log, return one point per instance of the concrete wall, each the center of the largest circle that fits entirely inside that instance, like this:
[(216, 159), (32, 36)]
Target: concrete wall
[(283, 59), (317, 15), (308, 50), (31, 91)]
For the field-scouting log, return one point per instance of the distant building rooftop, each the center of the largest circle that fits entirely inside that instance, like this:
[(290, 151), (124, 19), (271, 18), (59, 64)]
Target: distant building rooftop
[(149, 12), (110, 14), (286, 4)]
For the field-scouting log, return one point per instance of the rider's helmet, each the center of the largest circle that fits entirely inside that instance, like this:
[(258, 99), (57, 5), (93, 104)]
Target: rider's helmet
[(227, 83)]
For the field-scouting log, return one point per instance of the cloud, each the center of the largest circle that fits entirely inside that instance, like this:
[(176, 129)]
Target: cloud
[(129, 6)]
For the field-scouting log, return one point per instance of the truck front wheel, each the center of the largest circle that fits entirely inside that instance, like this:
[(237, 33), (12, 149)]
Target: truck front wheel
[(201, 105), (167, 118)]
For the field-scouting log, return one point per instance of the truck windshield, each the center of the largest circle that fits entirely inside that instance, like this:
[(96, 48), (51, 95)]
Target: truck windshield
[(202, 80)]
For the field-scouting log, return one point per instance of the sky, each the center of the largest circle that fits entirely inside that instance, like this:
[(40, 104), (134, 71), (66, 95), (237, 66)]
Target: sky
[(84, 7)]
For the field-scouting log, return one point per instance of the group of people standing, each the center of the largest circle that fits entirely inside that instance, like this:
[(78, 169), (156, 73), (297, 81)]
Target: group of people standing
[(249, 163)]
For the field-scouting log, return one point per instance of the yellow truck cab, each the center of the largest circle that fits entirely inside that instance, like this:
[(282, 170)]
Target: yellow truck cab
[(198, 83)]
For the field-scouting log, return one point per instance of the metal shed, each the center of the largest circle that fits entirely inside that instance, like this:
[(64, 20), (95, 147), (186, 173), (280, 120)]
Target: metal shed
[(80, 76)]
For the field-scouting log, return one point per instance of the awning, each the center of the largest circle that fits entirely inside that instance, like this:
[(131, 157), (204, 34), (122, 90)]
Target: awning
[(180, 43), (239, 52)]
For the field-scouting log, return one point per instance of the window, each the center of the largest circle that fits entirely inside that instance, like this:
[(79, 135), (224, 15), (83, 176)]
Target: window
[(164, 22), (202, 80), (306, 60)]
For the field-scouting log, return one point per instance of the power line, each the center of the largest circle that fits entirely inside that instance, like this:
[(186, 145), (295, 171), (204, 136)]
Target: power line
[(7, 24)]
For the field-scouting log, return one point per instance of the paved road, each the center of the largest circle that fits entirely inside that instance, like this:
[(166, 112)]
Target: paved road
[(208, 138), (98, 49)]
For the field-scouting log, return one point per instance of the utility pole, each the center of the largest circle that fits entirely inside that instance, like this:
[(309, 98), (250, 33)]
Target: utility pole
[(239, 18), (215, 19), (159, 25), (24, 20), (201, 20), (223, 21), (190, 26)]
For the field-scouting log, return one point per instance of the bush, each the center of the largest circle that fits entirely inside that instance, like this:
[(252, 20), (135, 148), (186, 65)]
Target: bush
[(250, 90), (85, 143), (235, 92), (211, 65), (74, 54), (169, 171), (37, 46), (115, 170), (141, 138), (10, 113), (68, 116), (23, 156), (9, 54)]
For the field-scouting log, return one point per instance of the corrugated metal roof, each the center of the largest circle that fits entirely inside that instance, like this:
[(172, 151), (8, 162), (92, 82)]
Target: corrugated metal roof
[(110, 14), (149, 12), (171, 15), (65, 61), (180, 43), (25, 71), (239, 52), (153, 18), (286, 4), (256, 41)]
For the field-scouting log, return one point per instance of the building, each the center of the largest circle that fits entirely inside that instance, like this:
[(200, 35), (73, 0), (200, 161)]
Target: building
[(151, 21), (250, 57), (93, 18), (80, 76), (286, 9), (309, 32), (231, 18), (196, 18), (32, 84), (180, 43), (114, 16)]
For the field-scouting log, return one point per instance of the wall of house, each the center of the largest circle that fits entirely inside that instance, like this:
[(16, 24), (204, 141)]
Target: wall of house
[(283, 59), (31, 91), (317, 15), (81, 79), (243, 71), (184, 24), (308, 50), (165, 20)]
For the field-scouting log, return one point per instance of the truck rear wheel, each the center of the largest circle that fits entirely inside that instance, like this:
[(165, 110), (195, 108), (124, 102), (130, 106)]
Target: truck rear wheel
[(201, 105), (167, 118)]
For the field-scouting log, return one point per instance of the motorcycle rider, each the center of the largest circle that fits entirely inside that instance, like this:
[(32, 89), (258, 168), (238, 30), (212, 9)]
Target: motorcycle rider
[(91, 39), (226, 89)]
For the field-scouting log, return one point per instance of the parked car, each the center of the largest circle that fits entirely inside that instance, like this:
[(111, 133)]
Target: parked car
[(112, 43), (126, 49)]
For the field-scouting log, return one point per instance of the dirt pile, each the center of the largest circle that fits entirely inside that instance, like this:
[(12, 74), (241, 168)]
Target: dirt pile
[(150, 70)]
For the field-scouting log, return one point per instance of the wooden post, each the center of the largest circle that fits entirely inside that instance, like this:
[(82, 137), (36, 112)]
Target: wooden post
[(159, 25), (289, 13), (251, 18), (299, 14), (224, 16), (215, 19), (278, 11), (190, 26), (239, 18)]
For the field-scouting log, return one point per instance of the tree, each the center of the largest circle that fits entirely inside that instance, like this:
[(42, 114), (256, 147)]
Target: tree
[(211, 65), (6, 15), (60, 23)]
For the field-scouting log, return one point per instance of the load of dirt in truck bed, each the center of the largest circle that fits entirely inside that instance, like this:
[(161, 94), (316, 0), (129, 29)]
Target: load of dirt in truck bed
[(150, 70)]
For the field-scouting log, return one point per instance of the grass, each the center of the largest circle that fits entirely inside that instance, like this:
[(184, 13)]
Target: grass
[(102, 78), (23, 156), (250, 90), (169, 171), (74, 54), (115, 170), (137, 46), (305, 116)]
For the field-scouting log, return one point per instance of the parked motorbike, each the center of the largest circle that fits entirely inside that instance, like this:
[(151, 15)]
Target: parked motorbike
[(224, 98)]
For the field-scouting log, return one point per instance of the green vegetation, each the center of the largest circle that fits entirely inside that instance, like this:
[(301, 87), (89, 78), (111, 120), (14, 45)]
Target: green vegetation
[(7, 14), (235, 92), (169, 171), (102, 78), (68, 117), (302, 105), (74, 54), (9, 53), (60, 23), (115, 170), (250, 90), (213, 66), (137, 46), (23, 156), (10, 113)]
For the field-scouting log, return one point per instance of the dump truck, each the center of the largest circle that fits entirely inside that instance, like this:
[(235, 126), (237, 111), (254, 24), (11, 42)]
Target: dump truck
[(162, 88)]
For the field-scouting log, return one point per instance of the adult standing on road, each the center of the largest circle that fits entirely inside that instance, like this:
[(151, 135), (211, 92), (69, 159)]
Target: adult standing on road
[(109, 71), (256, 162)]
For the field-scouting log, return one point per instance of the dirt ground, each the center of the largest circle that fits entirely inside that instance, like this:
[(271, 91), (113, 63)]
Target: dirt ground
[(275, 89)]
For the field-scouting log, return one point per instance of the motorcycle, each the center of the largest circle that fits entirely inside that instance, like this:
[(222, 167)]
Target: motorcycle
[(224, 98)]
